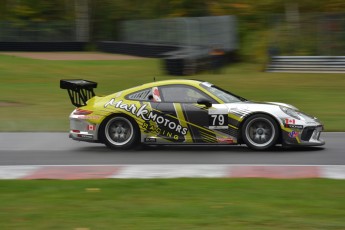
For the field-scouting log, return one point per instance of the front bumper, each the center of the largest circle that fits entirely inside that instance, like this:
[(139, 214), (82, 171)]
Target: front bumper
[(308, 136)]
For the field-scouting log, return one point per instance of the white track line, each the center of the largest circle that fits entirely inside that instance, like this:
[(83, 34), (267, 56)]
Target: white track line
[(178, 171)]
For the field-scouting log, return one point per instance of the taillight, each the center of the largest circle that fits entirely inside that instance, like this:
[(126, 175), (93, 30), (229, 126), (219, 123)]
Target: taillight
[(82, 112)]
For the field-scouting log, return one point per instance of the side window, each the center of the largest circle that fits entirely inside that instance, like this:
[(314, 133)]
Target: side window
[(183, 94), (142, 95)]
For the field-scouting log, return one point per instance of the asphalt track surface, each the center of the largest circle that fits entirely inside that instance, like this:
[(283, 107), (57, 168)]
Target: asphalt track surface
[(58, 149)]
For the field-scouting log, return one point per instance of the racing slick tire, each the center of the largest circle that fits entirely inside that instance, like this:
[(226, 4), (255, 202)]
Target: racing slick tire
[(260, 132), (120, 132)]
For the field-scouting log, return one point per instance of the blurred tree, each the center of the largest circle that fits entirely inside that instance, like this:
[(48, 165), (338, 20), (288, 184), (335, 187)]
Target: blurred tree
[(188, 8), (37, 10), (82, 20), (255, 18)]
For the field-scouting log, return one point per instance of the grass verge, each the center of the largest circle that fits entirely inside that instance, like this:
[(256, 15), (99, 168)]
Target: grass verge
[(31, 99), (173, 204)]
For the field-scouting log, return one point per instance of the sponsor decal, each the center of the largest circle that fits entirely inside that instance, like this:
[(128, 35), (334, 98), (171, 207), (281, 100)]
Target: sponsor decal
[(294, 126), (147, 115), (289, 121), (85, 136), (150, 139), (225, 140), (293, 134), (170, 135), (91, 127)]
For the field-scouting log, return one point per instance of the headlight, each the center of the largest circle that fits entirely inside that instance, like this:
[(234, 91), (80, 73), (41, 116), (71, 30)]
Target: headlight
[(290, 112)]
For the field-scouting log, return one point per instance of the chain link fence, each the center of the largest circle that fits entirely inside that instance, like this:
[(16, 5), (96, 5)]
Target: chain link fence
[(217, 31), (22, 31), (202, 42)]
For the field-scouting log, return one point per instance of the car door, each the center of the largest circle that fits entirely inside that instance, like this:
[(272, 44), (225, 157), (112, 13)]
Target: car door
[(179, 103)]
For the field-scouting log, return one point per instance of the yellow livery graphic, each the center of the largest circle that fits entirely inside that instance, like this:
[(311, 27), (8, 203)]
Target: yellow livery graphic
[(184, 112)]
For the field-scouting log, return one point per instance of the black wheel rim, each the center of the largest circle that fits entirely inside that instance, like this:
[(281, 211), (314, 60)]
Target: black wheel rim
[(260, 132), (119, 131)]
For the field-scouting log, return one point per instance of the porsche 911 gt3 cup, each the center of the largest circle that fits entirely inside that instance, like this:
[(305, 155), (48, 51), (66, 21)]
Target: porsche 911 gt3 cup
[(185, 112)]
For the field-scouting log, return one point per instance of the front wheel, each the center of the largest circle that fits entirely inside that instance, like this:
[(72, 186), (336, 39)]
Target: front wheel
[(260, 132), (120, 133)]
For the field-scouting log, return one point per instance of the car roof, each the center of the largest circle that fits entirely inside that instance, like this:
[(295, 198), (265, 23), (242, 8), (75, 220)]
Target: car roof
[(172, 82), (127, 91)]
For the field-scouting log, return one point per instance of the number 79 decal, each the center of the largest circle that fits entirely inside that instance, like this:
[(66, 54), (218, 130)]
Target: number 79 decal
[(218, 121), (218, 117)]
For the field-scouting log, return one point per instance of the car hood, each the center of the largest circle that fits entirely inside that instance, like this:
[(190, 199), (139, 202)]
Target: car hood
[(282, 104), (268, 103)]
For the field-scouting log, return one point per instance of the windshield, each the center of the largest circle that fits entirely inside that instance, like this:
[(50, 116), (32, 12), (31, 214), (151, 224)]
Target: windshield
[(222, 94)]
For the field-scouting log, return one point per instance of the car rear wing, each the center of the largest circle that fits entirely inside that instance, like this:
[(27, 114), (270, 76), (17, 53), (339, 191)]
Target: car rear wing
[(79, 91)]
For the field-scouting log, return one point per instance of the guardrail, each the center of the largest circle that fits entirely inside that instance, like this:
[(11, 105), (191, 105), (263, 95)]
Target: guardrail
[(307, 64), (42, 46)]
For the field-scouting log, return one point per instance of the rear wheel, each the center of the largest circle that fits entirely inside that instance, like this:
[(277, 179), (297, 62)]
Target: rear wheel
[(260, 132), (120, 133)]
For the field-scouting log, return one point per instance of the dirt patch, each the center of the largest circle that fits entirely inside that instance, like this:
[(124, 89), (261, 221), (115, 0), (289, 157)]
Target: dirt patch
[(9, 104), (71, 55)]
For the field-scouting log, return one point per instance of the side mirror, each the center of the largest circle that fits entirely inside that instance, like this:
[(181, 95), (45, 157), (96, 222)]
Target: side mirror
[(205, 102)]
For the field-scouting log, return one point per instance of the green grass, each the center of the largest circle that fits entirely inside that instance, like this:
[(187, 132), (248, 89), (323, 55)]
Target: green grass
[(173, 204), (43, 106)]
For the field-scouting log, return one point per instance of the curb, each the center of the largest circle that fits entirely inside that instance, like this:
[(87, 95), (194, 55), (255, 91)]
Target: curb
[(77, 172)]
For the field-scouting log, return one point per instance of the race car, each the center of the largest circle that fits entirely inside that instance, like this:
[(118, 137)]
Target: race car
[(185, 112)]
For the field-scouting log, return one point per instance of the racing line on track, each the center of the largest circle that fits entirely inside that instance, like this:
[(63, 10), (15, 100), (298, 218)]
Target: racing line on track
[(76, 172)]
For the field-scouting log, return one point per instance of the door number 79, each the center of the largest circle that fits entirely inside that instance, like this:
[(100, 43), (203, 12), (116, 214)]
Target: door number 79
[(218, 121)]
